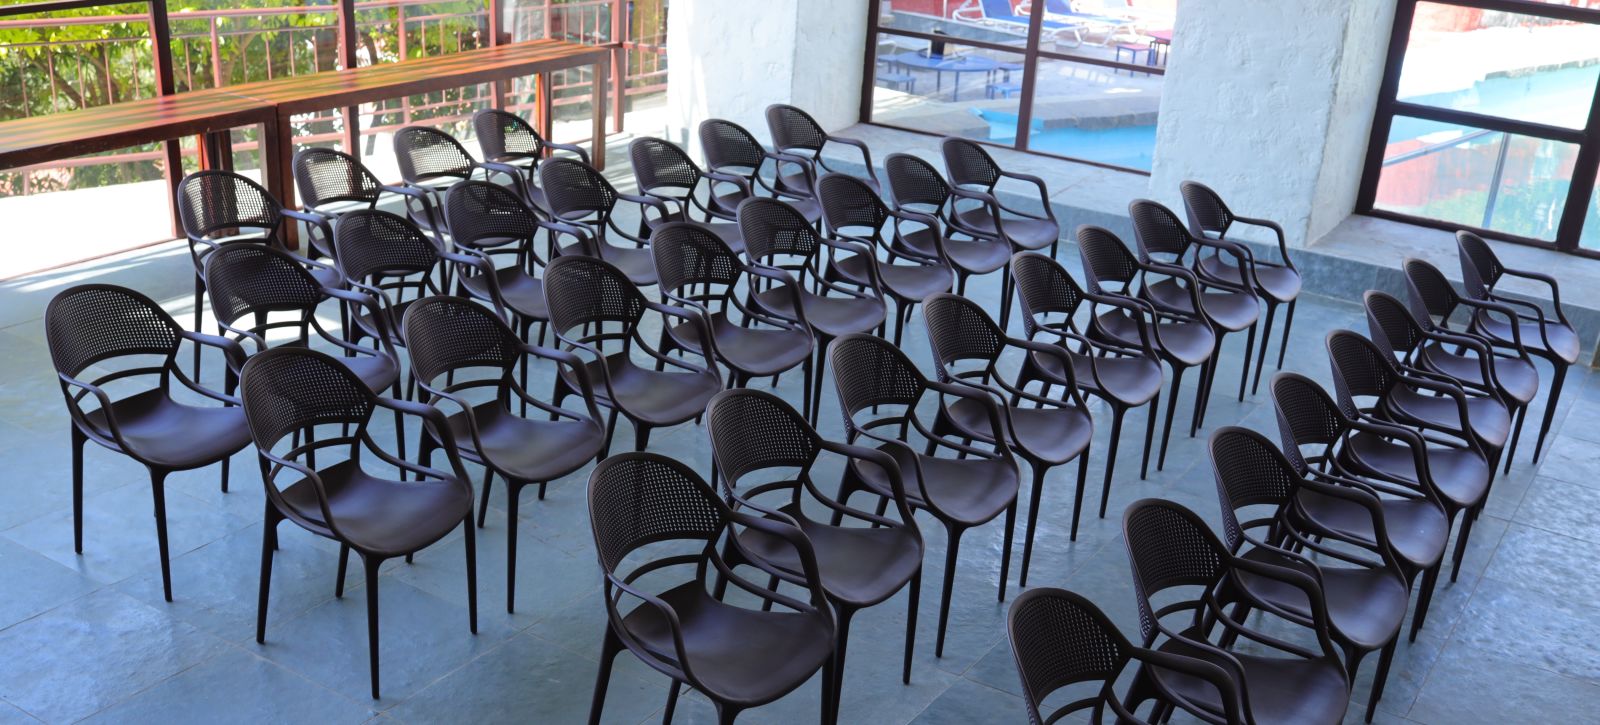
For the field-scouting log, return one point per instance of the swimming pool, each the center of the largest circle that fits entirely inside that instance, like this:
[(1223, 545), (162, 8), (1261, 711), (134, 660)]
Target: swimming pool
[(1128, 146)]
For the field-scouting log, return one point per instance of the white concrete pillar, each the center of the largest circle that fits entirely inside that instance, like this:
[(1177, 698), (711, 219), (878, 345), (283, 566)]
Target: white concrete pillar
[(1270, 103), (732, 58)]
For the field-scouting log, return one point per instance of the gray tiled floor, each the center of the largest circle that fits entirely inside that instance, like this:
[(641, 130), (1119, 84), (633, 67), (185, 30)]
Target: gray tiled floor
[(90, 637)]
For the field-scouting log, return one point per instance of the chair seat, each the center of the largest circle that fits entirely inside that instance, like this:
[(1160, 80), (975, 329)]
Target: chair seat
[(971, 491), (1130, 381), (1281, 689), (859, 565), (378, 514), (636, 263), (378, 371), (1564, 344), (328, 277), (1021, 232), (1461, 476), (1487, 418), (1417, 529), (667, 397), (1231, 311), (974, 256), (1280, 283), (174, 435), (914, 282), (756, 351), (831, 316), (728, 232), (1189, 342), (1051, 435), (521, 292), (526, 449), (1516, 379), (1365, 605)]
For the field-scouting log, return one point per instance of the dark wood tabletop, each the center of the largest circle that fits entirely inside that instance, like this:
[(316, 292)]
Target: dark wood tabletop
[(59, 136)]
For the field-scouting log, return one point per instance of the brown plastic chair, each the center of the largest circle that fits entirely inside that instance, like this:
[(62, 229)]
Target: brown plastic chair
[(852, 211), (490, 223), (318, 404), (1420, 351), (431, 161), (1527, 326), (739, 658), (596, 310), (1060, 639), (699, 272), (665, 172), (963, 492), (1124, 377), (1321, 443), (1361, 369), (795, 132), (1046, 431), (1114, 277), (1433, 301), (732, 150), (777, 235), (766, 453), (974, 177), (463, 356), (915, 186), (332, 183), (505, 138), (1366, 601), (1275, 282), (87, 325), (1170, 548), (1229, 306), (581, 197)]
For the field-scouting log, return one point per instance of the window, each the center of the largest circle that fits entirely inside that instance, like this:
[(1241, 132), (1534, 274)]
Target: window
[(1485, 118), (1079, 79)]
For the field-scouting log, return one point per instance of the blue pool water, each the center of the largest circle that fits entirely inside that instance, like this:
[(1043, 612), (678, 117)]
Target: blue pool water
[(1129, 146)]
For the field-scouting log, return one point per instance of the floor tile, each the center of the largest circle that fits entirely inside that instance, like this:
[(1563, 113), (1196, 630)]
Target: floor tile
[(36, 583), (1476, 685), (236, 687)]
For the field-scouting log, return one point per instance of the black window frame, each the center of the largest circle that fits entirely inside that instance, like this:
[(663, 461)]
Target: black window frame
[(1031, 55), (1580, 192)]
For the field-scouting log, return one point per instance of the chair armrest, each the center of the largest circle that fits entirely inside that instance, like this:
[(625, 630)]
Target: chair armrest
[(1283, 245), (1555, 289), (573, 148)]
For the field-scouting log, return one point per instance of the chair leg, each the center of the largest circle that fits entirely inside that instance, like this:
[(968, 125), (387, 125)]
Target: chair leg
[(199, 312), (269, 542), (483, 503), (515, 492), (611, 431), (1429, 580), (1117, 412), (158, 484), (1005, 296), (1039, 471), (472, 572), (1149, 435), (841, 629), (1516, 435), (1244, 366), (344, 566), (672, 703), (371, 563), (951, 548), (1381, 677), (1208, 375), (78, 441), (1172, 404), (810, 413), (1288, 322), (399, 427), (1550, 402), (911, 622), (822, 368), (1266, 337), (608, 653), (1467, 517), (641, 436), (1005, 551), (225, 461)]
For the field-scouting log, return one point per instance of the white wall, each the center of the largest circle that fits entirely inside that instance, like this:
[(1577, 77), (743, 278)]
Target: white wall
[(1270, 103), (732, 58)]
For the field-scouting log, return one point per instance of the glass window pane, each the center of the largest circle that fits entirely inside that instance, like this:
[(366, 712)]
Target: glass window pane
[(991, 21), (1476, 177), (1501, 64), (967, 91), (1090, 112)]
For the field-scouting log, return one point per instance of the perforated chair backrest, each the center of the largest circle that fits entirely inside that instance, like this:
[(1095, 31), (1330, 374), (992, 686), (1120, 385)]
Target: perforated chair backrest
[(1360, 368), (1043, 287), (581, 290), (482, 213), (287, 389), (959, 329), (1157, 230), (1249, 471), (1168, 546), (445, 334), (772, 228), (1206, 210), (1106, 260), (1428, 288), (913, 180), (637, 499), (793, 128), (371, 242), (251, 278), (727, 144), (1307, 416), (575, 189), (1059, 638), (869, 370), (90, 323), (504, 135), (968, 164), (1390, 323), (224, 203), (428, 153), (848, 203), (1480, 267), (326, 176), (659, 164), (753, 430), (688, 254)]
